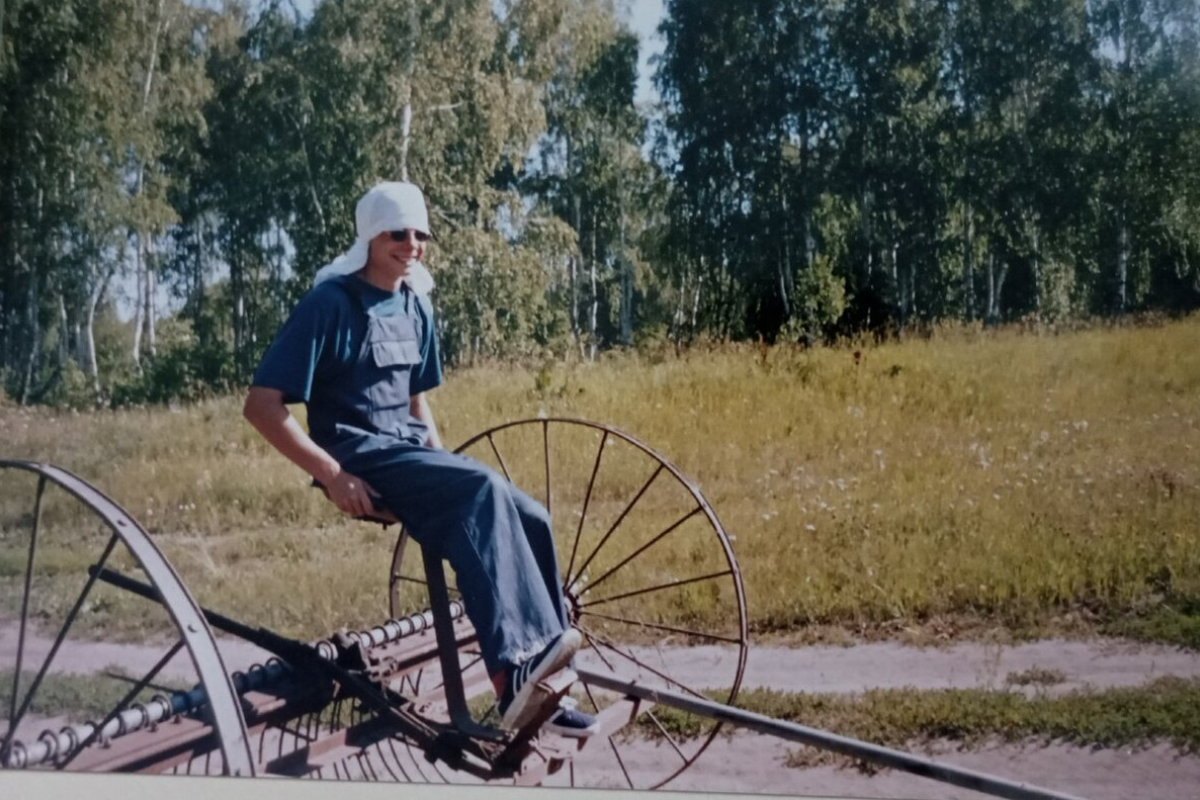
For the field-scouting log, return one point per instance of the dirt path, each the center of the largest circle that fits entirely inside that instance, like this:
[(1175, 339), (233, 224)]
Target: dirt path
[(750, 763), (753, 764), (1098, 663)]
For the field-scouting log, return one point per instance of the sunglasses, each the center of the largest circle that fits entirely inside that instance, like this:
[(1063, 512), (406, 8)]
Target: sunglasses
[(402, 235)]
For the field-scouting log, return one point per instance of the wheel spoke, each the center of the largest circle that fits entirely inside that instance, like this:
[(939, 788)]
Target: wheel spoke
[(629, 657), (646, 546), (137, 688), (670, 739), (499, 458), (617, 752), (660, 587), (16, 690), (58, 640), (615, 525), (596, 707), (587, 498), (669, 628), (596, 649)]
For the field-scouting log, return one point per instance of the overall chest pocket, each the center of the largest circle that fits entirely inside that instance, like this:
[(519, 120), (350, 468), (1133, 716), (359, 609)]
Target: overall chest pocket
[(394, 351)]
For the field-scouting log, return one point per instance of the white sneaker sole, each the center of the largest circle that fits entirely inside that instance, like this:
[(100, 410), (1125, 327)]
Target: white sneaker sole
[(573, 733), (519, 713)]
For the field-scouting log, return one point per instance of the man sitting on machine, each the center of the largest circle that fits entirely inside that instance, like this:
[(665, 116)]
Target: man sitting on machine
[(360, 351)]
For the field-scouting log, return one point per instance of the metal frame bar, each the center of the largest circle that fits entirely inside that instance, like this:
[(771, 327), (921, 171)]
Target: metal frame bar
[(883, 756)]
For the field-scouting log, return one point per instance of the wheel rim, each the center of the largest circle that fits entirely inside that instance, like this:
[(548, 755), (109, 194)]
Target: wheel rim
[(645, 562), (88, 528)]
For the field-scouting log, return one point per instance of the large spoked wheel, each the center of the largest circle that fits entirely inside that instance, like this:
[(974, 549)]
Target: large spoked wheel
[(649, 578), (61, 705)]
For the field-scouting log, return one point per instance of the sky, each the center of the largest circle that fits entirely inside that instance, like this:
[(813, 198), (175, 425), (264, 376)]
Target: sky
[(644, 16)]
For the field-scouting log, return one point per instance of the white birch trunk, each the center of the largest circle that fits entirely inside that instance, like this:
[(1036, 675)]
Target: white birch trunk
[(593, 312), (88, 344), (1035, 264), (35, 332), (139, 303), (405, 129), (968, 274), (1122, 262), (151, 282), (63, 332)]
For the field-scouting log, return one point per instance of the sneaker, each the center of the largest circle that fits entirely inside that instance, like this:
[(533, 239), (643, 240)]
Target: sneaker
[(515, 705), (572, 723)]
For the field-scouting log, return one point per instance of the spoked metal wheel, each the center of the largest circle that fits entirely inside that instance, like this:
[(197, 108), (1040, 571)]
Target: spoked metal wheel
[(649, 577), (62, 693)]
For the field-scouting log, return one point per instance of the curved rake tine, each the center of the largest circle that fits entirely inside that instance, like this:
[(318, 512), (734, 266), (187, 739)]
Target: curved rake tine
[(396, 760), (670, 739), (658, 588), (364, 765), (615, 525), (58, 640), (656, 626), (648, 668), (587, 498), (462, 670), (132, 693), (16, 690), (499, 458), (383, 761), (647, 545)]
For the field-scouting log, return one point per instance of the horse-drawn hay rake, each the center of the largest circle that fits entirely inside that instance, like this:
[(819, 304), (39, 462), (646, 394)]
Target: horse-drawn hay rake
[(649, 577)]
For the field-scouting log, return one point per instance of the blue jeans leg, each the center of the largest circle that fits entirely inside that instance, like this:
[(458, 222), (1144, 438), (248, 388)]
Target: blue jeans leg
[(474, 518), (535, 521)]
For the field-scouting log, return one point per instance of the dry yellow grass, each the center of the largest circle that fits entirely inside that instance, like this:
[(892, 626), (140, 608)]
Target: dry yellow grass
[(1003, 474)]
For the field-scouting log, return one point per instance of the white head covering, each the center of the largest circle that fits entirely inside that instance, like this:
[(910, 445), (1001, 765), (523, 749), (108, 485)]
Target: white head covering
[(388, 206)]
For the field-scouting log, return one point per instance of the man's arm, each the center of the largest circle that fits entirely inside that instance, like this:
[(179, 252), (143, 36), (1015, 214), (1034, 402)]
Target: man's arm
[(422, 411), (265, 410)]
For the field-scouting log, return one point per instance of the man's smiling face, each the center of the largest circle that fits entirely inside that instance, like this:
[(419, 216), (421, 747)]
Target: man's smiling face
[(398, 249)]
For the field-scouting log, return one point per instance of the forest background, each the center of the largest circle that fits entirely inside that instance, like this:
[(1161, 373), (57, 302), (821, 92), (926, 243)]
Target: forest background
[(813, 169)]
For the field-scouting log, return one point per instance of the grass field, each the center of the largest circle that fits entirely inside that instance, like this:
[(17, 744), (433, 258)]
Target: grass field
[(970, 481)]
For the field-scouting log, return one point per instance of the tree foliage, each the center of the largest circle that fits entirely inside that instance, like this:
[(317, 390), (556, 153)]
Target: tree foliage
[(171, 174)]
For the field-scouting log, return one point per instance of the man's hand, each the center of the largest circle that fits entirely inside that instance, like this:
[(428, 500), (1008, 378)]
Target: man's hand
[(266, 412), (352, 495)]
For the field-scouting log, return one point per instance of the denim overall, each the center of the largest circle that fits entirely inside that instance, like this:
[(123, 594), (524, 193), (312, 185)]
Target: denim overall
[(496, 538)]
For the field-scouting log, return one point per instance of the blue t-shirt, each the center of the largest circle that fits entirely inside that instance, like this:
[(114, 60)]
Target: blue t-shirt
[(323, 340)]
